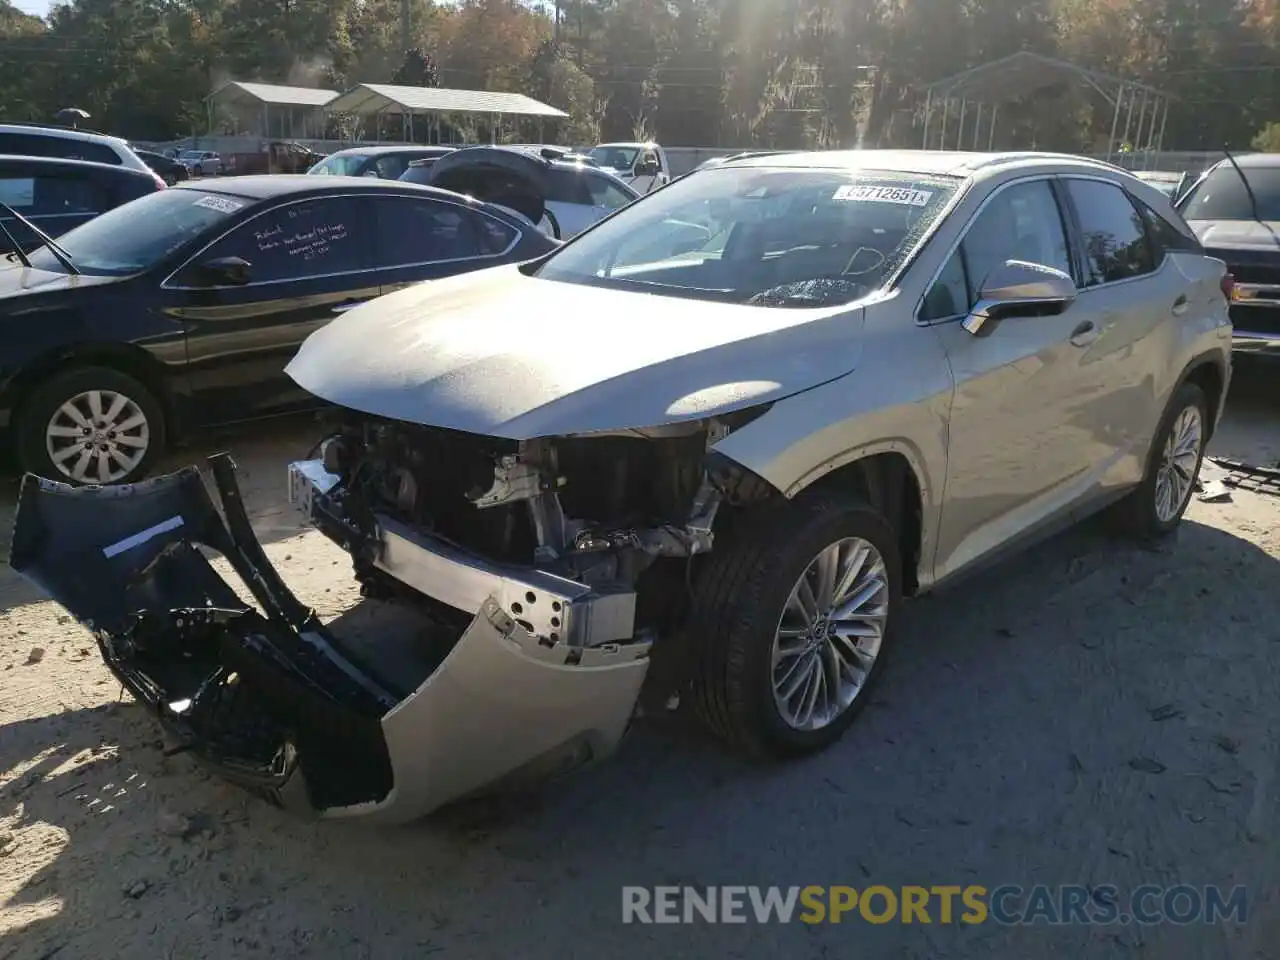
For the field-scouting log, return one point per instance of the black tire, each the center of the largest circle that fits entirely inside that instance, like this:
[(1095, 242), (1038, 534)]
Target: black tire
[(738, 603), (1136, 515), (41, 405)]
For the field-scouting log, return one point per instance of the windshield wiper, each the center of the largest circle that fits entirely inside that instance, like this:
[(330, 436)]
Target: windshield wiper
[(62, 256), (1253, 200)]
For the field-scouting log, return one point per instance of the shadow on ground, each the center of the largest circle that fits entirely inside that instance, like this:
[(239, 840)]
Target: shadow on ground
[(1051, 721)]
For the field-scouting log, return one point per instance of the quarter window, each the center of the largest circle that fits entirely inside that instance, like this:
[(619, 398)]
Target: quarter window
[(1020, 222), (299, 240), (1116, 246)]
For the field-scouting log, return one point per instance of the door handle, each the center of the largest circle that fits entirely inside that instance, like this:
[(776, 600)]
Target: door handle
[(1085, 334), (1180, 305)]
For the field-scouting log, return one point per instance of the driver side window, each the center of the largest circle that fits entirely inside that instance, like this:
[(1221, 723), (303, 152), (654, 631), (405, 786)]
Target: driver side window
[(1020, 222)]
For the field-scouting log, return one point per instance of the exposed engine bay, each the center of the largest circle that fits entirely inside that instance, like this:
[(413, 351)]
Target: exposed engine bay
[(624, 512)]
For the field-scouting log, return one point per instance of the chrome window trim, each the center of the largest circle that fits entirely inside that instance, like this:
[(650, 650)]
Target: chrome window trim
[(1158, 268), (167, 283)]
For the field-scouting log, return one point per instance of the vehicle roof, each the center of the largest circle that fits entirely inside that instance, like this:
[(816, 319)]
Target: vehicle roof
[(956, 163), (398, 148), (267, 186), (62, 163), (1261, 160), (67, 133)]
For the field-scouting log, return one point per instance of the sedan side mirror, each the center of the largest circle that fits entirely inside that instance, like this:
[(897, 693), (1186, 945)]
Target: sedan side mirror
[(1017, 288), (224, 272)]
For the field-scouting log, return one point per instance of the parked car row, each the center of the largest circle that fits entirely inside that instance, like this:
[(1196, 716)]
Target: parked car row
[(741, 419)]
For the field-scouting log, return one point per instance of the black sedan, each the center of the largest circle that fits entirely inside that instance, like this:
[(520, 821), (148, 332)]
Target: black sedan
[(180, 310), (57, 195)]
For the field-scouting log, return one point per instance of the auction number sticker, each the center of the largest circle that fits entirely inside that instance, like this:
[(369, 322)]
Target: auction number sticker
[(221, 204), (873, 194)]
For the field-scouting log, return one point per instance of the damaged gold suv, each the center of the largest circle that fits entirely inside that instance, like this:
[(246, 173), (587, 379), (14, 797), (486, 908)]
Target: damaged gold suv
[(742, 418)]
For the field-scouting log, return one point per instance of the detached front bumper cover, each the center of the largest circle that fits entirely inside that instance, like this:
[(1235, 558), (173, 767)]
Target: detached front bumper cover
[(271, 700)]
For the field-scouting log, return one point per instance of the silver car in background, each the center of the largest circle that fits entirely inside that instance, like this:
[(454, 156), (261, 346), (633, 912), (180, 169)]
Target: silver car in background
[(739, 422)]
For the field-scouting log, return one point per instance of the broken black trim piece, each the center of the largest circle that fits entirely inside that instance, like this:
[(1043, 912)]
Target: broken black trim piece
[(267, 701)]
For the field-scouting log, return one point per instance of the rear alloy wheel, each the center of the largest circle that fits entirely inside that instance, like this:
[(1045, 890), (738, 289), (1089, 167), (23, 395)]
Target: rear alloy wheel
[(793, 617), (1155, 507), (91, 426)]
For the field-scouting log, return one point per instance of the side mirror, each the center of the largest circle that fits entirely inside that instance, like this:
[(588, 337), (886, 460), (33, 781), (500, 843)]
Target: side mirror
[(223, 272), (1017, 288), (648, 168)]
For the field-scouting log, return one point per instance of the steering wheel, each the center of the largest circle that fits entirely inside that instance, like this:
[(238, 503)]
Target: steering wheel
[(555, 224)]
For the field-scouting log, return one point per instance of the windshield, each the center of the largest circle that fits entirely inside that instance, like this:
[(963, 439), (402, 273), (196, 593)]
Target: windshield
[(619, 158), (347, 165), (141, 233), (1222, 196), (761, 236)]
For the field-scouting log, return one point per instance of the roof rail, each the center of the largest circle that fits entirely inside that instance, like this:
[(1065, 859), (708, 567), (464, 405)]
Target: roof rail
[(55, 126)]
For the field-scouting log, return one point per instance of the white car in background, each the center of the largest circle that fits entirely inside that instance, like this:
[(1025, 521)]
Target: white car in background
[(201, 163)]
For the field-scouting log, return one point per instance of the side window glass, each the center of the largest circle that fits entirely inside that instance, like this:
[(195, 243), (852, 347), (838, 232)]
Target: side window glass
[(18, 192), (1165, 237), (1021, 222), (390, 168), (299, 240), (428, 231), (949, 295), (567, 187), (606, 194), (1115, 238), (68, 195)]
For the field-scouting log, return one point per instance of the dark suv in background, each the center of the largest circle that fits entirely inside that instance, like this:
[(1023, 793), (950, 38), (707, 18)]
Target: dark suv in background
[(1235, 211)]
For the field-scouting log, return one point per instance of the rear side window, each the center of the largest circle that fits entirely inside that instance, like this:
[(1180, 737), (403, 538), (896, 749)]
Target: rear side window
[(1113, 232), (412, 231), (53, 196), (605, 193), (67, 148), (390, 167), (568, 186)]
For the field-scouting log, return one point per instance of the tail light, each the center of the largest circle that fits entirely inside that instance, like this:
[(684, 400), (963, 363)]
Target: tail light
[(160, 184), (1228, 285)]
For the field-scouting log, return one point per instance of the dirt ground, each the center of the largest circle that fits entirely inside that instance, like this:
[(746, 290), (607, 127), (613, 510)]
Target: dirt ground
[(1092, 713)]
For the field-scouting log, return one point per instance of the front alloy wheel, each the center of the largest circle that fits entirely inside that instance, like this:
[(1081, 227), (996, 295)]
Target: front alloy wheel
[(793, 617), (830, 633)]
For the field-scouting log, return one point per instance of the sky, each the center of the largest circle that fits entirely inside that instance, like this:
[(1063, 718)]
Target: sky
[(37, 7)]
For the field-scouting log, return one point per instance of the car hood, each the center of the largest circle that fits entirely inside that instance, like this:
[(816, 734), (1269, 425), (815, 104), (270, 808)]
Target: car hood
[(503, 354), (16, 279), (1237, 234)]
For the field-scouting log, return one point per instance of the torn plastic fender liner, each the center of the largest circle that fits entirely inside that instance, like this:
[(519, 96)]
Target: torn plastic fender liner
[(267, 701)]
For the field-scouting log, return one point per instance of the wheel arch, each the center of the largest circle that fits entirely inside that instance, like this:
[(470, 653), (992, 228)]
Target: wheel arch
[(887, 475), (121, 357), (1210, 372)]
